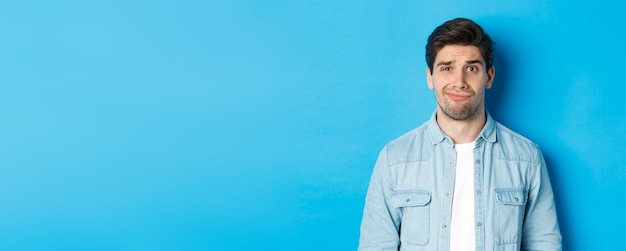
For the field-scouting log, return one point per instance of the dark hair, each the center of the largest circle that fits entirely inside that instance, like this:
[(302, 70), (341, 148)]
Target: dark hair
[(459, 31)]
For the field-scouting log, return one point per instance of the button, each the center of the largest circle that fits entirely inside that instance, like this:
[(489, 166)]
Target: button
[(408, 200), (516, 199), (477, 161), (478, 224), (447, 194), (444, 226), (478, 191), (449, 163)]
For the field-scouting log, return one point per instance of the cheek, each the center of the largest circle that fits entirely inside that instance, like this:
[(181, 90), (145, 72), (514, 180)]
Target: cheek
[(438, 82), (479, 79)]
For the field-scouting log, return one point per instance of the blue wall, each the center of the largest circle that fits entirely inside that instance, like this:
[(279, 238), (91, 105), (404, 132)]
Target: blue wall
[(254, 125)]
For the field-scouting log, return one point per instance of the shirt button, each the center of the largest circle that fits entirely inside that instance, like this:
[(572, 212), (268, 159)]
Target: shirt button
[(516, 199), (408, 200), (478, 224), (444, 226), (478, 191), (477, 161), (449, 163), (447, 194)]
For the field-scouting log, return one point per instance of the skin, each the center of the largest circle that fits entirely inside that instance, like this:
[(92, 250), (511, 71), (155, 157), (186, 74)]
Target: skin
[(459, 79)]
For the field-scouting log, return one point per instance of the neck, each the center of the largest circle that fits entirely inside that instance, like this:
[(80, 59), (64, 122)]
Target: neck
[(462, 131)]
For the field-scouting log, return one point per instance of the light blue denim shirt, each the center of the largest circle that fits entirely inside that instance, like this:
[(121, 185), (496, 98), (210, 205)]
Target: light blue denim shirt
[(409, 201)]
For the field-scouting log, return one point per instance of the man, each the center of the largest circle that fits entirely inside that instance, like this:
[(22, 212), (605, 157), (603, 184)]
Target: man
[(461, 181)]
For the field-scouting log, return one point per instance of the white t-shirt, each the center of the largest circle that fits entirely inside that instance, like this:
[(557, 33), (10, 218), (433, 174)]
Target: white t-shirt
[(462, 231)]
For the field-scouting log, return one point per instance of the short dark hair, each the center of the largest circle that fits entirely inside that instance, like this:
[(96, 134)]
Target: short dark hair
[(459, 31)]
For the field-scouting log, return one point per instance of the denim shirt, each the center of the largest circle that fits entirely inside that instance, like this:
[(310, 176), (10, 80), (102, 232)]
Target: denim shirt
[(409, 200)]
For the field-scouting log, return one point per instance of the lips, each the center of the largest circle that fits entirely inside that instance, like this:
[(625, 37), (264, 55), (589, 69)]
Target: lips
[(458, 96)]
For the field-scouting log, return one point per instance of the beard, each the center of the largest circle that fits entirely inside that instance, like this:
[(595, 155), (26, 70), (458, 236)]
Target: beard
[(458, 110)]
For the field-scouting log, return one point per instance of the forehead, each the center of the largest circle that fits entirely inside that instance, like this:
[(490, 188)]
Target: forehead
[(459, 53)]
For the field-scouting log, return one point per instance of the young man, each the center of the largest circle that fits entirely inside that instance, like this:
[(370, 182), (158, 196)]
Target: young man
[(461, 181)]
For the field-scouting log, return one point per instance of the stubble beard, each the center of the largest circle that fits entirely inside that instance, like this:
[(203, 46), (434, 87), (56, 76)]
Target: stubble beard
[(456, 110)]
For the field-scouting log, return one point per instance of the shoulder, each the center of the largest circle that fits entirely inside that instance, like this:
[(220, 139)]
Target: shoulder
[(410, 147), (514, 146)]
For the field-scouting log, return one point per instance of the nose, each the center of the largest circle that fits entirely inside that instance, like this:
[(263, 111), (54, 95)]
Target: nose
[(460, 80)]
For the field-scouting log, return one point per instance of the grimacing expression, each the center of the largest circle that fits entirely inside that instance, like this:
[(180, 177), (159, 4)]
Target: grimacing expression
[(459, 80)]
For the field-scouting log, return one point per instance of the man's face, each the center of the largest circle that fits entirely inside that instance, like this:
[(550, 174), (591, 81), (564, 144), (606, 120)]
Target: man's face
[(459, 79)]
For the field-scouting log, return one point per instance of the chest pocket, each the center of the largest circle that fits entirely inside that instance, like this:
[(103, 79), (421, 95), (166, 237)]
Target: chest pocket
[(510, 206), (415, 224)]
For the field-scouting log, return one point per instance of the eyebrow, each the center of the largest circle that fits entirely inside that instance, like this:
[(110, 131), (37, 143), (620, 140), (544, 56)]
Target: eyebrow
[(445, 63), (473, 61)]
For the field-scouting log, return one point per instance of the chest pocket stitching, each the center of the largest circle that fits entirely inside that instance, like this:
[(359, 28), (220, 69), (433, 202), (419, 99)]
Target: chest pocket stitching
[(416, 219), (412, 198), (511, 196), (508, 215)]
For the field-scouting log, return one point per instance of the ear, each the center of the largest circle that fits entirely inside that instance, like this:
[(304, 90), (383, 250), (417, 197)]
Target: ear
[(429, 78), (491, 73)]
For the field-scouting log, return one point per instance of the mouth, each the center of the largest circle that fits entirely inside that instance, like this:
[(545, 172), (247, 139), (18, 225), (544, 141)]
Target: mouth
[(458, 96)]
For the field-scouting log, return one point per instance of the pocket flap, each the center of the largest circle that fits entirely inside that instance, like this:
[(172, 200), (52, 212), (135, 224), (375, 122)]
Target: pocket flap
[(412, 198), (511, 196)]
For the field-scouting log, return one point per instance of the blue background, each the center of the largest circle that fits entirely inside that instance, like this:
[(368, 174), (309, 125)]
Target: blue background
[(254, 125)]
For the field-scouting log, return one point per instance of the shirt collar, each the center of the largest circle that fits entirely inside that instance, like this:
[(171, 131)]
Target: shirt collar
[(437, 136)]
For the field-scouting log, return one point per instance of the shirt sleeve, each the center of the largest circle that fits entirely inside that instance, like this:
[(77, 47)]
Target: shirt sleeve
[(541, 228), (381, 221)]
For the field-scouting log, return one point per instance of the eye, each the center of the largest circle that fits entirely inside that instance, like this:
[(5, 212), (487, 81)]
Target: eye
[(472, 68), (445, 68)]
